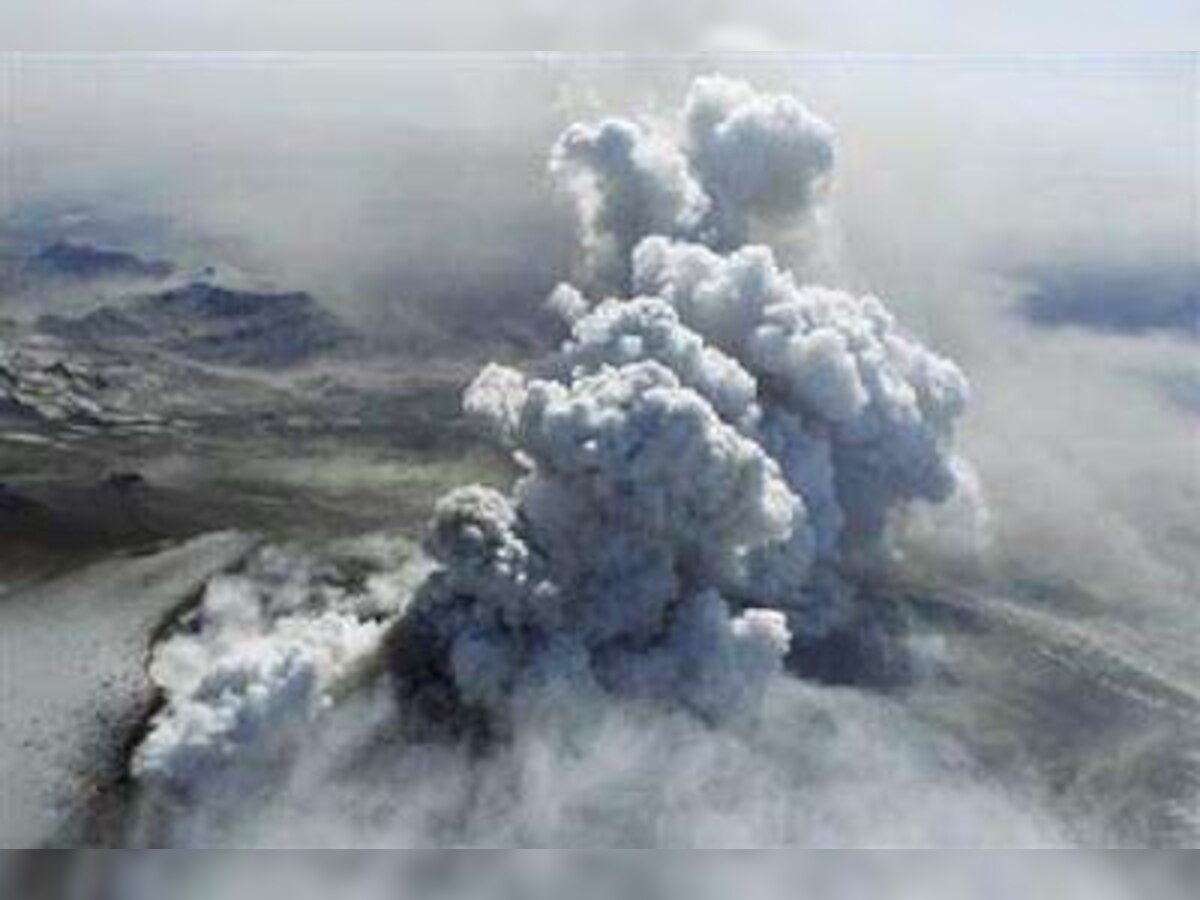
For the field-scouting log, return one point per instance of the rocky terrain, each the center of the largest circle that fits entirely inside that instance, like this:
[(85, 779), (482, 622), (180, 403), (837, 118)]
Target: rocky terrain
[(187, 402), (211, 323)]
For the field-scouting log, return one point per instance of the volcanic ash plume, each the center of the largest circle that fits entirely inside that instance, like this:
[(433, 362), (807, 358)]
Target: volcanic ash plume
[(703, 460), (707, 459), (735, 159)]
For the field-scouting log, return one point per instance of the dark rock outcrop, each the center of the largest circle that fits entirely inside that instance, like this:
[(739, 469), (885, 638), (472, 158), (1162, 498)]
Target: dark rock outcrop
[(85, 262)]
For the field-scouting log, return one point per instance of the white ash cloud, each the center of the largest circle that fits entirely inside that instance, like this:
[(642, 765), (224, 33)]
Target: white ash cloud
[(836, 365), (603, 567), (705, 460), (626, 182), (761, 157), (736, 159)]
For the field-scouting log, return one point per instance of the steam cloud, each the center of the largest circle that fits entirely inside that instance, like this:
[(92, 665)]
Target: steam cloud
[(261, 655)]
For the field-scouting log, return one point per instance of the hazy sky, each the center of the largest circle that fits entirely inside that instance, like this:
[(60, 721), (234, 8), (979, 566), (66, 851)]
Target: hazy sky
[(395, 163), (866, 25)]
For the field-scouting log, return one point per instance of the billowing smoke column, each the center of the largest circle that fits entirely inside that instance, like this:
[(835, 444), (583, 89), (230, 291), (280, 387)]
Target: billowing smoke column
[(707, 458), (703, 459), (741, 158)]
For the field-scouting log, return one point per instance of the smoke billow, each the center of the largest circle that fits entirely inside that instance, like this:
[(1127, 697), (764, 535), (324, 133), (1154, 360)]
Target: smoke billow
[(735, 160), (601, 656), (262, 652), (762, 158), (703, 461)]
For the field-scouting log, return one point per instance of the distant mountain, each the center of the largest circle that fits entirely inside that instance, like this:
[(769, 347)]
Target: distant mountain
[(212, 324), (84, 262), (43, 385), (1131, 301)]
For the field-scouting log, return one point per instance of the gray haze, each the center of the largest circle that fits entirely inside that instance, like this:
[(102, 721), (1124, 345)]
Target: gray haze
[(474, 25)]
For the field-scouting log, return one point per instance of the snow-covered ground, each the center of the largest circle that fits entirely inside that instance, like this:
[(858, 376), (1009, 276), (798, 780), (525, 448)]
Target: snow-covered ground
[(73, 677)]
